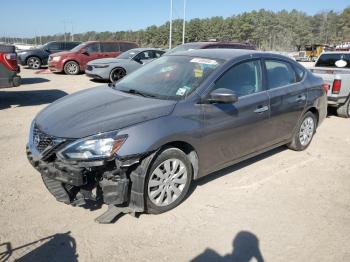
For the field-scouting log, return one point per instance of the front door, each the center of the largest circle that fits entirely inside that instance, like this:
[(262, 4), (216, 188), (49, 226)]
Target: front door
[(232, 131)]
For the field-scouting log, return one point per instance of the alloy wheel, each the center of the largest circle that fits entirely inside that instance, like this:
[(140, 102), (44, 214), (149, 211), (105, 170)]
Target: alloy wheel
[(117, 74), (33, 62), (167, 182), (72, 68), (306, 131)]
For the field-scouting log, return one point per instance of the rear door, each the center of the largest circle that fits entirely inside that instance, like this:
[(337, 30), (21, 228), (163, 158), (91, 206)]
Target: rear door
[(287, 95), (232, 131)]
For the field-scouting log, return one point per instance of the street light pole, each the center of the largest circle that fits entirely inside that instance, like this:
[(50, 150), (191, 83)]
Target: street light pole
[(171, 23), (184, 24)]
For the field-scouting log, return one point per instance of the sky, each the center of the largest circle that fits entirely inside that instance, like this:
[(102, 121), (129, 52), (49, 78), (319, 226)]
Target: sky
[(27, 18)]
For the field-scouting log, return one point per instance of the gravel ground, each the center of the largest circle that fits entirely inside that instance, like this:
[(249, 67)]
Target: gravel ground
[(280, 206)]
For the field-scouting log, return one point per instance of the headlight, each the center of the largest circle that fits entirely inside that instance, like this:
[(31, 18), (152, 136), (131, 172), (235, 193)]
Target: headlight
[(101, 146), (56, 58), (101, 66)]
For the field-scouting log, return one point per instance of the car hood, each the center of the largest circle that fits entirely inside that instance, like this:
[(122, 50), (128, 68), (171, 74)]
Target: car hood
[(106, 61), (97, 110), (63, 53)]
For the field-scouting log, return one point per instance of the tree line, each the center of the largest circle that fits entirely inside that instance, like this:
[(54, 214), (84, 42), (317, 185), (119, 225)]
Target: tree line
[(267, 30)]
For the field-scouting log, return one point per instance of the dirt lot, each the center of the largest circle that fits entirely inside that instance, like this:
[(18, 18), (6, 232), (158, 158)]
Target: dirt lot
[(281, 206)]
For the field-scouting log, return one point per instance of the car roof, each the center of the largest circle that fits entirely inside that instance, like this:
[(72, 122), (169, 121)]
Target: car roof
[(204, 43), (140, 49), (224, 54), (109, 41)]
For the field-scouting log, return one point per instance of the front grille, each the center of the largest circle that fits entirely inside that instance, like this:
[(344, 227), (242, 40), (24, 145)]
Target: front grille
[(41, 140), (89, 68)]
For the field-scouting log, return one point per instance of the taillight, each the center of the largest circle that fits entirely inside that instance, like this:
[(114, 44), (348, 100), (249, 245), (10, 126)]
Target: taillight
[(336, 86), (11, 56), (325, 87), (10, 61)]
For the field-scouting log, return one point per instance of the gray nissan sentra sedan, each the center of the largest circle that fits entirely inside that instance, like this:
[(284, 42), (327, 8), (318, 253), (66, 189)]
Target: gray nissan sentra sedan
[(140, 143)]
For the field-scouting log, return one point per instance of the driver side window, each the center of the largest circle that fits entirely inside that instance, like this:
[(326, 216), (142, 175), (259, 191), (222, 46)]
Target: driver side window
[(243, 79)]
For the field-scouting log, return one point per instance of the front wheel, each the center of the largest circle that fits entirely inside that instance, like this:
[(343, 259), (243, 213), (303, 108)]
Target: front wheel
[(168, 181), (304, 133), (71, 68), (344, 110), (117, 74)]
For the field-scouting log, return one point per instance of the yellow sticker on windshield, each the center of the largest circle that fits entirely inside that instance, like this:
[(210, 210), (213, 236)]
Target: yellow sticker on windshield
[(198, 72)]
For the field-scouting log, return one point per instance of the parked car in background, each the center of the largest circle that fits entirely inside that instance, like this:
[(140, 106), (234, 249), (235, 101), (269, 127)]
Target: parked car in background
[(334, 68), (35, 58), (211, 45), (74, 61), (9, 67), (113, 69), (143, 140)]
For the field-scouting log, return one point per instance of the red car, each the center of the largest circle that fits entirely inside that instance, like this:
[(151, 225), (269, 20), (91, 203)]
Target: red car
[(74, 61)]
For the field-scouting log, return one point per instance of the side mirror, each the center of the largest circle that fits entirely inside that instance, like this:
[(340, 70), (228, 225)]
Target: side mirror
[(223, 95), (84, 52)]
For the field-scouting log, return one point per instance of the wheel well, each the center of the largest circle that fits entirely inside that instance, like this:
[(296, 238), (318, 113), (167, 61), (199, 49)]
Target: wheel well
[(71, 61), (189, 150), (315, 112)]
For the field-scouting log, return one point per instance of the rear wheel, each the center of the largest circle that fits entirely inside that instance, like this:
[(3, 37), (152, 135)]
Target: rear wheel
[(304, 133), (71, 68), (168, 181), (116, 74), (344, 110), (34, 62), (16, 81)]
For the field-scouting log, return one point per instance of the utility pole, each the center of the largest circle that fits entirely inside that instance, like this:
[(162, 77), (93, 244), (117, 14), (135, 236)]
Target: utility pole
[(72, 33), (184, 24), (171, 23)]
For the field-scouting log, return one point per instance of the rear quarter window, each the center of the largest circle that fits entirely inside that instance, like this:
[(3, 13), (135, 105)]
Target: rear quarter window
[(329, 60)]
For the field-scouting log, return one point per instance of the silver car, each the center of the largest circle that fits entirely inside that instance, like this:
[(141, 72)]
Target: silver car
[(113, 69)]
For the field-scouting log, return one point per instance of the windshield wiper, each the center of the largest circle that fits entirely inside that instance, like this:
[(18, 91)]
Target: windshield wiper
[(137, 92)]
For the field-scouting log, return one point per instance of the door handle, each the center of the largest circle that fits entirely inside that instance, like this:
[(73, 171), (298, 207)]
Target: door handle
[(261, 109), (300, 98)]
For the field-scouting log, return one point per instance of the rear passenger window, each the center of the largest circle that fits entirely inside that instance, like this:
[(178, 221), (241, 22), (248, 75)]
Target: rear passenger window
[(243, 79), (109, 47), (279, 74)]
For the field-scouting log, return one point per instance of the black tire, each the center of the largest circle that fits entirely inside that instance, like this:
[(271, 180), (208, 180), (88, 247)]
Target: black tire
[(296, 144), (344, 110), (34, 62), (71, 68), (16, 81), (116, 74), (167, 154)]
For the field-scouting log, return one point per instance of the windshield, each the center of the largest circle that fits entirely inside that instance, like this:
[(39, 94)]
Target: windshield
[(128, 54), (169, 77), (184, 47), (77, 48)]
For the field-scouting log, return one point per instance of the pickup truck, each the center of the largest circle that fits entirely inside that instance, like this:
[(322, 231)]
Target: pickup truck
[(334, 69)]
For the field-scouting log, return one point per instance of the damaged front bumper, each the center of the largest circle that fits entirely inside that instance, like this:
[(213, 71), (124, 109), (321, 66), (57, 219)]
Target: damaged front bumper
[(117, 183)]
